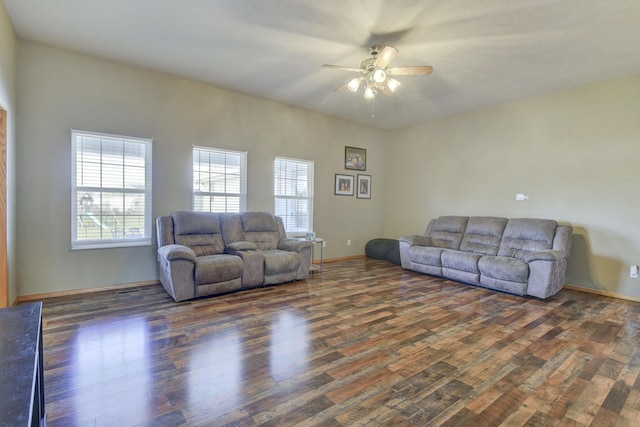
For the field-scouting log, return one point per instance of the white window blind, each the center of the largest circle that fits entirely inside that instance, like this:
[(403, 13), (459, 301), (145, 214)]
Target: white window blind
[(111, 190), (293, 191), (219, 180)]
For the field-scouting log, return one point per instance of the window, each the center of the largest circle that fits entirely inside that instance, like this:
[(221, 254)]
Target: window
[(293, 190), (219, 180), (111, 190)]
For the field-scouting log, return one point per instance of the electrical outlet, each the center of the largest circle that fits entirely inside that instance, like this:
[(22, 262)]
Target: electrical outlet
[(348, 242), (633, 273), (324, 243)]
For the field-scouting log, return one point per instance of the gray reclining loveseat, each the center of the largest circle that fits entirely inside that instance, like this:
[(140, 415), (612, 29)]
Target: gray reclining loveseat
[(202, 253), (523, 256)]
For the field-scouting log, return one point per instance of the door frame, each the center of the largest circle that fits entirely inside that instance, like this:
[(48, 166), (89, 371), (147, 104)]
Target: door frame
[(4, 270)]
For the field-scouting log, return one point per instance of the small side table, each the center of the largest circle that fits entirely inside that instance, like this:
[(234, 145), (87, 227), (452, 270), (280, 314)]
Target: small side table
[(313, 268)]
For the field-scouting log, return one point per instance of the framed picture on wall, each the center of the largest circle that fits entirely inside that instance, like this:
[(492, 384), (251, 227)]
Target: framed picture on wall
[(355, 158), (363, 188), (344, 185)]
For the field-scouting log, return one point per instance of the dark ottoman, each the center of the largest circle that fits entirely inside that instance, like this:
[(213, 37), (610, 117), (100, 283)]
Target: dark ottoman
[(385, 249)]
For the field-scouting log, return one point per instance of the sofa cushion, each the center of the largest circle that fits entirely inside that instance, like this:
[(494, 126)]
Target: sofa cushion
[(447, 231), (462, 261), (264, 240), (231, 227), (504, 268), (199, 231), (516, 288), (276, 261), (258, 221), (523, 235), (461, 276), (426, 255), (261, 229), (483, 235), (217, 268)]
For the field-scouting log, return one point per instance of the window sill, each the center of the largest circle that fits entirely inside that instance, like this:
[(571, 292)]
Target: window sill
[(76, 246)]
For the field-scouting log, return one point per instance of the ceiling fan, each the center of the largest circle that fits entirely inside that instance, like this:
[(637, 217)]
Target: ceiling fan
[(375, 72)]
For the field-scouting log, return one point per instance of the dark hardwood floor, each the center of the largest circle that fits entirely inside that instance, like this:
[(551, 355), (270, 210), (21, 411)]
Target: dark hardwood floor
[(363, 343)]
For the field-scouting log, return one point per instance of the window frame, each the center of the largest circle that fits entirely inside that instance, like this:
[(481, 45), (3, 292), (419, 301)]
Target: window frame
[(113, 242), (243, 178), (310, 198)]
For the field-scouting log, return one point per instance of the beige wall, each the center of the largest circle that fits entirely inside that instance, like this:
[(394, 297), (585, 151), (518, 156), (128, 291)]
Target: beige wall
[(60, 90), (574, 153), (8, 96)]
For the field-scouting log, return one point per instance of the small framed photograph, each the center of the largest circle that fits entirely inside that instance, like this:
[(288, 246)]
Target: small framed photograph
[(355, 158), (344, 185), (364, 187)]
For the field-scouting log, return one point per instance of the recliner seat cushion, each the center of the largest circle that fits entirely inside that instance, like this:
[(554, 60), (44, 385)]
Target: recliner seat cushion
[(461, 261), (217, 268), (426, 255), (504, 268), (277, 262)]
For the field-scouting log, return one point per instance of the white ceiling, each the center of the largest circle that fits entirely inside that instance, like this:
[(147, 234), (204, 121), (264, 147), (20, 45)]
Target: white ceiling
[(483, 52)]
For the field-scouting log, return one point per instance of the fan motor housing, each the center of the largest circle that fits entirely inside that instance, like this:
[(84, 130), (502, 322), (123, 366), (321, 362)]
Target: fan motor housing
[(375, 50), (367, 65)]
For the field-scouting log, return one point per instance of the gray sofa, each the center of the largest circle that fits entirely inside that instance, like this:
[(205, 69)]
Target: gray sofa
[(202, 253), (522, 256)]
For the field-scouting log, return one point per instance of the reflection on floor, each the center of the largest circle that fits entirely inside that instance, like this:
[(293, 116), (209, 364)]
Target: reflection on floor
[(363, 343)]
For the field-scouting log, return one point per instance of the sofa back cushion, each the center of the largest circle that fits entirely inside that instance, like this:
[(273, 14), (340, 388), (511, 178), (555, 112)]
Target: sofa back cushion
[(164, 230), (260, 228), (483, 235), (527, 235), (447, 231), (199, 231)]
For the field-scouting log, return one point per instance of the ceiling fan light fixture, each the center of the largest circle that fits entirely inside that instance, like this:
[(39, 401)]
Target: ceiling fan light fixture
[(393, 84), (369, 93), (376, 73), (379, 75), (354, 84)]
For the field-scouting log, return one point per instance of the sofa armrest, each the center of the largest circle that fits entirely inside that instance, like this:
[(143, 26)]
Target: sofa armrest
[(416, 240), (176, 252), (294, 245), (563, 239), (541, 256), (177, 264), (237, 248), (546, 277), (303, 248)]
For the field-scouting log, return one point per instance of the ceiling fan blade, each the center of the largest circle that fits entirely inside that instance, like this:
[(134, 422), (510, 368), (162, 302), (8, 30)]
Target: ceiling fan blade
[(343, 87), (386, 90), (340, 67), (385, 57), (406, 71)]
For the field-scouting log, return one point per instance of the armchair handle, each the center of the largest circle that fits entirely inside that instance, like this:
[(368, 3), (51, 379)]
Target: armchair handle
[(176, 252)]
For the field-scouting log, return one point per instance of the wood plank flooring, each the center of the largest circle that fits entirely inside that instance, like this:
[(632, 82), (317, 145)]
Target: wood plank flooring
[(364, 343)]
